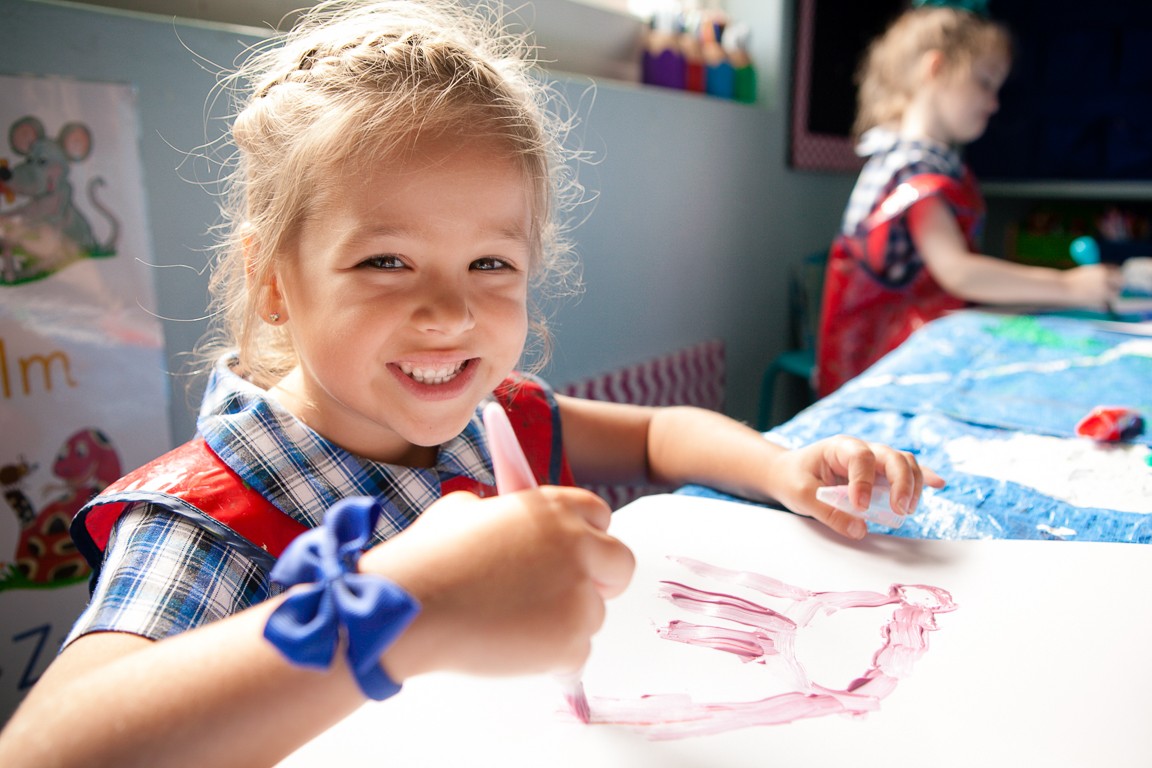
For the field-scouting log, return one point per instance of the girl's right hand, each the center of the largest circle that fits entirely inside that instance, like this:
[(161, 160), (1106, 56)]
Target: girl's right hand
[(512, 584), (1093, 284)]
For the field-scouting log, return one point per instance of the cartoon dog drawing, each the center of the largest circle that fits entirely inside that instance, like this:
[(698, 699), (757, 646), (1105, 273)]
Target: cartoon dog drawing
[(45, 231), (45, 554)]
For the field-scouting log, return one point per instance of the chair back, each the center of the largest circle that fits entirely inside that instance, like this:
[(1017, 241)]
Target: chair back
[(805, 293)]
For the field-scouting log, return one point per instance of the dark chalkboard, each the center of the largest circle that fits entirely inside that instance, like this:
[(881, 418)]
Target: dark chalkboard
[(1076, 106)]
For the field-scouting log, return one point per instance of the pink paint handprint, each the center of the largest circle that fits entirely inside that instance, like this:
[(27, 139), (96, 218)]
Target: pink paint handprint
[(757, 634)]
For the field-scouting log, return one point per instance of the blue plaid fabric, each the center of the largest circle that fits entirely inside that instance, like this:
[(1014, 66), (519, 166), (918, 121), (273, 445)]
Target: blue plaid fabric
[(164, 574), (893, 160)]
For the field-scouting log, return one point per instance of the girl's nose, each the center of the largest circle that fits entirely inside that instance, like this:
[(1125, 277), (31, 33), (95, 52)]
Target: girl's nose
[(444, 308)]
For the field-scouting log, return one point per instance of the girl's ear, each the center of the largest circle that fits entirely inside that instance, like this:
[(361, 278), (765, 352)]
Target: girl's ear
[(271, 302), (931, 66), (262, 279)]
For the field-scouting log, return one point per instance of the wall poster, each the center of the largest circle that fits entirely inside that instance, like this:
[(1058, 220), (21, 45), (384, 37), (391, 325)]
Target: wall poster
[(83, 387)]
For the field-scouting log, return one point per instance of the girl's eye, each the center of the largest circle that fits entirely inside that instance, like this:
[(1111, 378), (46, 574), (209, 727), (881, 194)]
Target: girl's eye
[(491, 263), (387, 262)]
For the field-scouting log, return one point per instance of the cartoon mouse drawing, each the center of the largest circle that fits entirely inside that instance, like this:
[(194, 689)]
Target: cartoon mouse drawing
[(45, 231), (45, 554)]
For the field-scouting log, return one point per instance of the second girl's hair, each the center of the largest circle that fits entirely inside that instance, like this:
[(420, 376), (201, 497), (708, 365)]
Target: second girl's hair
[(887, 77), (352, 83)]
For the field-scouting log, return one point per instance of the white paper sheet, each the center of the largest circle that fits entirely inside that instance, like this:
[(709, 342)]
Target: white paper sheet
[(1044, 661)]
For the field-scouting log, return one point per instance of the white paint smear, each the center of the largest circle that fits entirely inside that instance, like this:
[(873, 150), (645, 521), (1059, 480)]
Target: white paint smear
[(1078, 471)]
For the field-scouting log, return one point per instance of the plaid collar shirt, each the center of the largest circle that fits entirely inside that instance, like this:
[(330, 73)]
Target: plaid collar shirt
[(304, 474), (164, 574), (893, 160)]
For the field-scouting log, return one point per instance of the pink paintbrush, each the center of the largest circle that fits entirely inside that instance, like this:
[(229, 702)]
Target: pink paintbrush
[(513, 474)]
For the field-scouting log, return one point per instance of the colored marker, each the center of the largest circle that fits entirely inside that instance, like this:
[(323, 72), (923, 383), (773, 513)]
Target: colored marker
[(514, 474), (879, 509)]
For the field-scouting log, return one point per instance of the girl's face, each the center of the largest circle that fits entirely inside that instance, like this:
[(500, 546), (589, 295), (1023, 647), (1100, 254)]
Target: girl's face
[(966, 98), (406, 298)]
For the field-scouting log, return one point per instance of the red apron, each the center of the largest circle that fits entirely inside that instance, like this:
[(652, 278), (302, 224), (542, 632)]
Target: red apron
[(862, 316)]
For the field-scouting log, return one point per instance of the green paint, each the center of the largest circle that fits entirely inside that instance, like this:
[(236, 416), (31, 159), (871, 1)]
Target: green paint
[(1029, 330)]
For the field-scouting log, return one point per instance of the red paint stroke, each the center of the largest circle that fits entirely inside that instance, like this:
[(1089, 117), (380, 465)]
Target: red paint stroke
[(762, 632)]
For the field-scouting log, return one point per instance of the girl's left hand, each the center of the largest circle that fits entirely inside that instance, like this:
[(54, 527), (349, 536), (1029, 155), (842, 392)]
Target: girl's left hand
[(839, 460)]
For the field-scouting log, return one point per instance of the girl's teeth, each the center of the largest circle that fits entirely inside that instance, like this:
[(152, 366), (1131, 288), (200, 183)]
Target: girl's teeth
[(438, 375)]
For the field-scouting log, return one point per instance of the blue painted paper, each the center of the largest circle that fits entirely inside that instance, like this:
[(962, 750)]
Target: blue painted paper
[(989, 377)]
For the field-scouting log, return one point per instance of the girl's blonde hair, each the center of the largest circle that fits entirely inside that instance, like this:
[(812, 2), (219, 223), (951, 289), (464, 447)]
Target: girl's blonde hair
[(351, 83), (888, 73)]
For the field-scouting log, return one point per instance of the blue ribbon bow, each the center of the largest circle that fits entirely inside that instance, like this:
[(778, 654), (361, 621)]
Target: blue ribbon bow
[(369, 611)]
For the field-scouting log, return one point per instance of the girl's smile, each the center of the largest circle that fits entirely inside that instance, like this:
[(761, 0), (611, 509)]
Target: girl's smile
[(427, 375), (431, 381)]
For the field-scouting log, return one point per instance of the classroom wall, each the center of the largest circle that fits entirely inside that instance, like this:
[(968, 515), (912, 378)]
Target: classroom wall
[(695, 220)]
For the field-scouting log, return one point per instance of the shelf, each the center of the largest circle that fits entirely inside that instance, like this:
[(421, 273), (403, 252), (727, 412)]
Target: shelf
[(1069, 190)]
